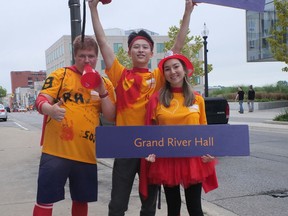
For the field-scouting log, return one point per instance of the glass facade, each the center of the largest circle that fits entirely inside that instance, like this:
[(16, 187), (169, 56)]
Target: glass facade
[(258, 28)]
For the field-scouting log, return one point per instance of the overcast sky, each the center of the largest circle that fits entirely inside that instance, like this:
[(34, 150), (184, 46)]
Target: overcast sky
[(30, 27)]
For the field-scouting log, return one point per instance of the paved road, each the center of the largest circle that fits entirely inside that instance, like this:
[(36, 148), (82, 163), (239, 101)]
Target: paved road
[(19, 158)]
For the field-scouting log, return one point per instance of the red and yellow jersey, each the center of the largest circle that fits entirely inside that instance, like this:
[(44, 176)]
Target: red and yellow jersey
[(74, 137), (179, 114), (133, 89)]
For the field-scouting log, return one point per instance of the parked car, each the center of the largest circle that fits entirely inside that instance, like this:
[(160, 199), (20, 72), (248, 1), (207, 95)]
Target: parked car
[(8, 109), (22, 109), (217, 110), (3, 113)]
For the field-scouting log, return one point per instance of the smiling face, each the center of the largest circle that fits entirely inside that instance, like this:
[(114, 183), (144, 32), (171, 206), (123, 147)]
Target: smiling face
[(174, 72), (140, 53)]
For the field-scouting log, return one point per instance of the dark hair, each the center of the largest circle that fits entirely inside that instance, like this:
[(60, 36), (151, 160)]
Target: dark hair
[(88, 43), (141, 33)]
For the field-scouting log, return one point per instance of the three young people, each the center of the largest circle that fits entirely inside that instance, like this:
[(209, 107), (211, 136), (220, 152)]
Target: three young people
[(62, 129)]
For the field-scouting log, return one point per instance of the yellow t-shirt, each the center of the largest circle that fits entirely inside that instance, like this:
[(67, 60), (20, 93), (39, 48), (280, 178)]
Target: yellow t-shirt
[(178, 114), (133, 89), (74, 137)]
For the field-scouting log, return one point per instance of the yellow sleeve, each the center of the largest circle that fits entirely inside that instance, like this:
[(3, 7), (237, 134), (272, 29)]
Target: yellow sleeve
[(110, 88), (201, 102)]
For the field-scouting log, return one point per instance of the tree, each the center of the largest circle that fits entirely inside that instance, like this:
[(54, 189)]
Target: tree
[(191, 50), (278, 40), (123, 58), (3, 92)]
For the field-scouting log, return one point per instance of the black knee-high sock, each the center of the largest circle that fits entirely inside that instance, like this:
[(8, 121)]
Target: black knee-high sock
[(173, 199), (193, 200)]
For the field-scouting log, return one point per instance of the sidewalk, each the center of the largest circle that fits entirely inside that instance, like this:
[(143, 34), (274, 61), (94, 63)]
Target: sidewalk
[(259, 118)]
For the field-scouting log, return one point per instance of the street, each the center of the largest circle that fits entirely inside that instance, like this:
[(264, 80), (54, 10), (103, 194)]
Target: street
[(254, 186)]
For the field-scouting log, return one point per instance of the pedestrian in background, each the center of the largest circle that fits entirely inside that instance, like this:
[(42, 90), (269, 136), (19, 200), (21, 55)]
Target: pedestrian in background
[(251, 98), (177, 104), (71, 114), (240, 98), (133, 87)]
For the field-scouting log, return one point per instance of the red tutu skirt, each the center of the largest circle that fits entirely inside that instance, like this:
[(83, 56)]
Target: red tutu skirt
[(176, 171)]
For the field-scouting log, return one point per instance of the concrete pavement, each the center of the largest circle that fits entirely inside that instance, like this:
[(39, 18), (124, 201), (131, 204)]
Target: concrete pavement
[(19, 160)]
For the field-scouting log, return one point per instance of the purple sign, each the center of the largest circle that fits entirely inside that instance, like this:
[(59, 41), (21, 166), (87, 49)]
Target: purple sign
[(252, 5), (172, 141)]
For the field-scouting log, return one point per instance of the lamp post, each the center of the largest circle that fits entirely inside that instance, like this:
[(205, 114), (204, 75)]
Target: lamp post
[(205, 33), (75, 18)]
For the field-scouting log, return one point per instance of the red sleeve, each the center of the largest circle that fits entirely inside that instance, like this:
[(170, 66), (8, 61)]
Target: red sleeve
[(150, 108), (144, 166)]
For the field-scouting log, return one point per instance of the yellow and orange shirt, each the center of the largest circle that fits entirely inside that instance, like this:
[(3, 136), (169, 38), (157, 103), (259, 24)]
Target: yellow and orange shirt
[(133, 89), (74, 137), (178, 114)]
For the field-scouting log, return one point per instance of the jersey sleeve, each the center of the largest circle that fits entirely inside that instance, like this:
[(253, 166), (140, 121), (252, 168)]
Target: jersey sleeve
[(201, 102), (115, 72), (53, 83)]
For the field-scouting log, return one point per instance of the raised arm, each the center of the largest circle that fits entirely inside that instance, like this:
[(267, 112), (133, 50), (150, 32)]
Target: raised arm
[(181, 36), (106, 50)]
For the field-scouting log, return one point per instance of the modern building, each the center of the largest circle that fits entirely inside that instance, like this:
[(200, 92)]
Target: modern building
[(258, 28), (60, 53)]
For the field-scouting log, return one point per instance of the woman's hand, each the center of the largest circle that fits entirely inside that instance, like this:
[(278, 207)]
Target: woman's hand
[(151, 158), (207, 158)]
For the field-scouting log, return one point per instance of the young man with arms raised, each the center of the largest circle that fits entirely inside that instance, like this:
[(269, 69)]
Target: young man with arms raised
[(133, 88)]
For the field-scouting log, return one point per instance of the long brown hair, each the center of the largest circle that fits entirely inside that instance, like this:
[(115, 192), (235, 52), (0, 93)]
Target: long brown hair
[(166, 95)]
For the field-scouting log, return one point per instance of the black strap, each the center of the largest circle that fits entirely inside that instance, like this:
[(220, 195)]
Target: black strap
[(57, 98), (159, 197), (84, 21)]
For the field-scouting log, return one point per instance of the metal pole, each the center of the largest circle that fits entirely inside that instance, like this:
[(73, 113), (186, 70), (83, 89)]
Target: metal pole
[(205, 65), (75, 18)]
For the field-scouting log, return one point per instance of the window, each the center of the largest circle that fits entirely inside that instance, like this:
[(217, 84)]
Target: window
[(197, 80), (102, 65), (160, 47), (150, 64), (116, 47)]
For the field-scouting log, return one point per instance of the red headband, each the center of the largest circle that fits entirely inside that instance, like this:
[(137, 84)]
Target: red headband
[(170, 55), (138, 38)]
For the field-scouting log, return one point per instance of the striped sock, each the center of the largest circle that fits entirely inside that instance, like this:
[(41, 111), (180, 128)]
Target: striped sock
[(42, 209)]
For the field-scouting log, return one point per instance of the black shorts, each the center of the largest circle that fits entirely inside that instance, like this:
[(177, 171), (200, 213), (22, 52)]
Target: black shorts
[(53, 174)]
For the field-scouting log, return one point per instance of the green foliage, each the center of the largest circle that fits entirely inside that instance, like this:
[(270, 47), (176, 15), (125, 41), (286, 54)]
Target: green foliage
[(266, 93), (124, 58), (191, 50), (278, 40), (282, 116), (3, 92)]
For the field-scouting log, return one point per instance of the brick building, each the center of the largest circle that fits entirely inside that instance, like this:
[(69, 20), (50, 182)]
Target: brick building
[(25, 79)]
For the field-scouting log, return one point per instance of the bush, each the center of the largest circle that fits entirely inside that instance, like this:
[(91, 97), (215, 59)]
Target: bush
[(282, 116), (263, 94)]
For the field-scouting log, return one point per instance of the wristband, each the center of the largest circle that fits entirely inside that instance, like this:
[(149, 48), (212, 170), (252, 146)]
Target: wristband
[(41, 99), (104, 95)]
